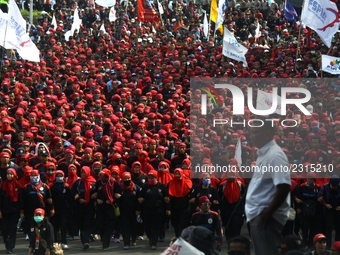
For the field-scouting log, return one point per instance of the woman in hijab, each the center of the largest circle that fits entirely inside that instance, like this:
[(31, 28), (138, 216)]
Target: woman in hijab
[(156, 204), (105, 192), (72, 223), (41, 234), (61, 195), (10, 208), (84, 206), (25, 179), (34, 195), (179, 189), (137, 176), (50, 174), (164, 175), (231, 192)]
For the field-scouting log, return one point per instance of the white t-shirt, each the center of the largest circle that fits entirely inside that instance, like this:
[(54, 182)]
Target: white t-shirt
[(262, 186)]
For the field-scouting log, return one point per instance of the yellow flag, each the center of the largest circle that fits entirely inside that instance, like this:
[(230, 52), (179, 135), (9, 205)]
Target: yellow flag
[(213, 11), (214, 14)]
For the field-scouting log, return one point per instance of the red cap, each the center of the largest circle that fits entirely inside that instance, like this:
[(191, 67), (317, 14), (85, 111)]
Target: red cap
[(318, 237), (39, 211), (203, 199)]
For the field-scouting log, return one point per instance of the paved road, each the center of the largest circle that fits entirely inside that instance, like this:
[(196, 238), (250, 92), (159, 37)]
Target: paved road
[(95, 247)]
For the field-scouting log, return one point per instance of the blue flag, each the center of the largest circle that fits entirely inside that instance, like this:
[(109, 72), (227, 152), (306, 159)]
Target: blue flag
[(289, 11)]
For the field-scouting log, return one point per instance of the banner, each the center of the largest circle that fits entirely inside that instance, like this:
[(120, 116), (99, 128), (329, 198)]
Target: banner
[(265, 100), (330, 64), (323, 17), (16, 36), (181, 247), (105, 3), (232, 49), (146, 12)]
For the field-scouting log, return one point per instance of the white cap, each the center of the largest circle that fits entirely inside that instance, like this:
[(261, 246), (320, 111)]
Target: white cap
[(309, 108), (265, 51), (139, 40)]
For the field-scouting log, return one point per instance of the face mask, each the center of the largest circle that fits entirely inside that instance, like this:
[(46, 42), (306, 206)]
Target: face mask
[(152, 182), (206, 182), (136, 175), (59, 179), (38, 218), (119, 161), (98, 136), (141, 159), (127, 183), (231, 179), (35, 180), (178, 177), (315, 129)]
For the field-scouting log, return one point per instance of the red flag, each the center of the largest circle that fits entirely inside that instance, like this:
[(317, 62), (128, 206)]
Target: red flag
[(146, 12)]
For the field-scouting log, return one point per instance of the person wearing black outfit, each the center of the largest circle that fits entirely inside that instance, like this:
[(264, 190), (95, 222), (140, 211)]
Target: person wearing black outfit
[(128, 203), (329, 196), (208, 219), (156, 204), (9, 208), (34, 195), (41, 234), (231, 192), (309, 209), (204, 189), (179, 190), (84, 207), (61, 195), (105, 191)]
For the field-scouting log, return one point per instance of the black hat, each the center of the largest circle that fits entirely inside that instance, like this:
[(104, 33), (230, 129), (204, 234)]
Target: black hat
[(202, 239)]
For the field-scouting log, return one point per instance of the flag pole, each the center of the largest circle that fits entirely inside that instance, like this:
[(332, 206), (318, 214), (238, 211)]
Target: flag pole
[(3, 52), (300, 26)]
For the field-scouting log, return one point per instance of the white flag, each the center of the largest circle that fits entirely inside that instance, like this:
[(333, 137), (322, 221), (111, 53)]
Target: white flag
[(67, 35), (265, 100), (322, 17), (54, 22), (181, 247), (112, 15), (257, 31), (220, 18), (160, 8), (153, 30), (232, 49), (330, 64), (102, 28), (76, 22), (16, 36), (238, 153), (105, 3), (206, 26)]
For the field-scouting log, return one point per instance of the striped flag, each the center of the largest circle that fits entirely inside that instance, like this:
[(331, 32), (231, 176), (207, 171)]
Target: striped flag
[(238, 152)]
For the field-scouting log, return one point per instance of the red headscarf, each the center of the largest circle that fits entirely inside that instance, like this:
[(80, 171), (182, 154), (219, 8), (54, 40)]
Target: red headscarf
[(25, 179), (164, 176), (50, 178), (115, 169), (108, 187), (12, 187), (127, 175), (72, 175), (179, 187), (88, 180), (232, 190)]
